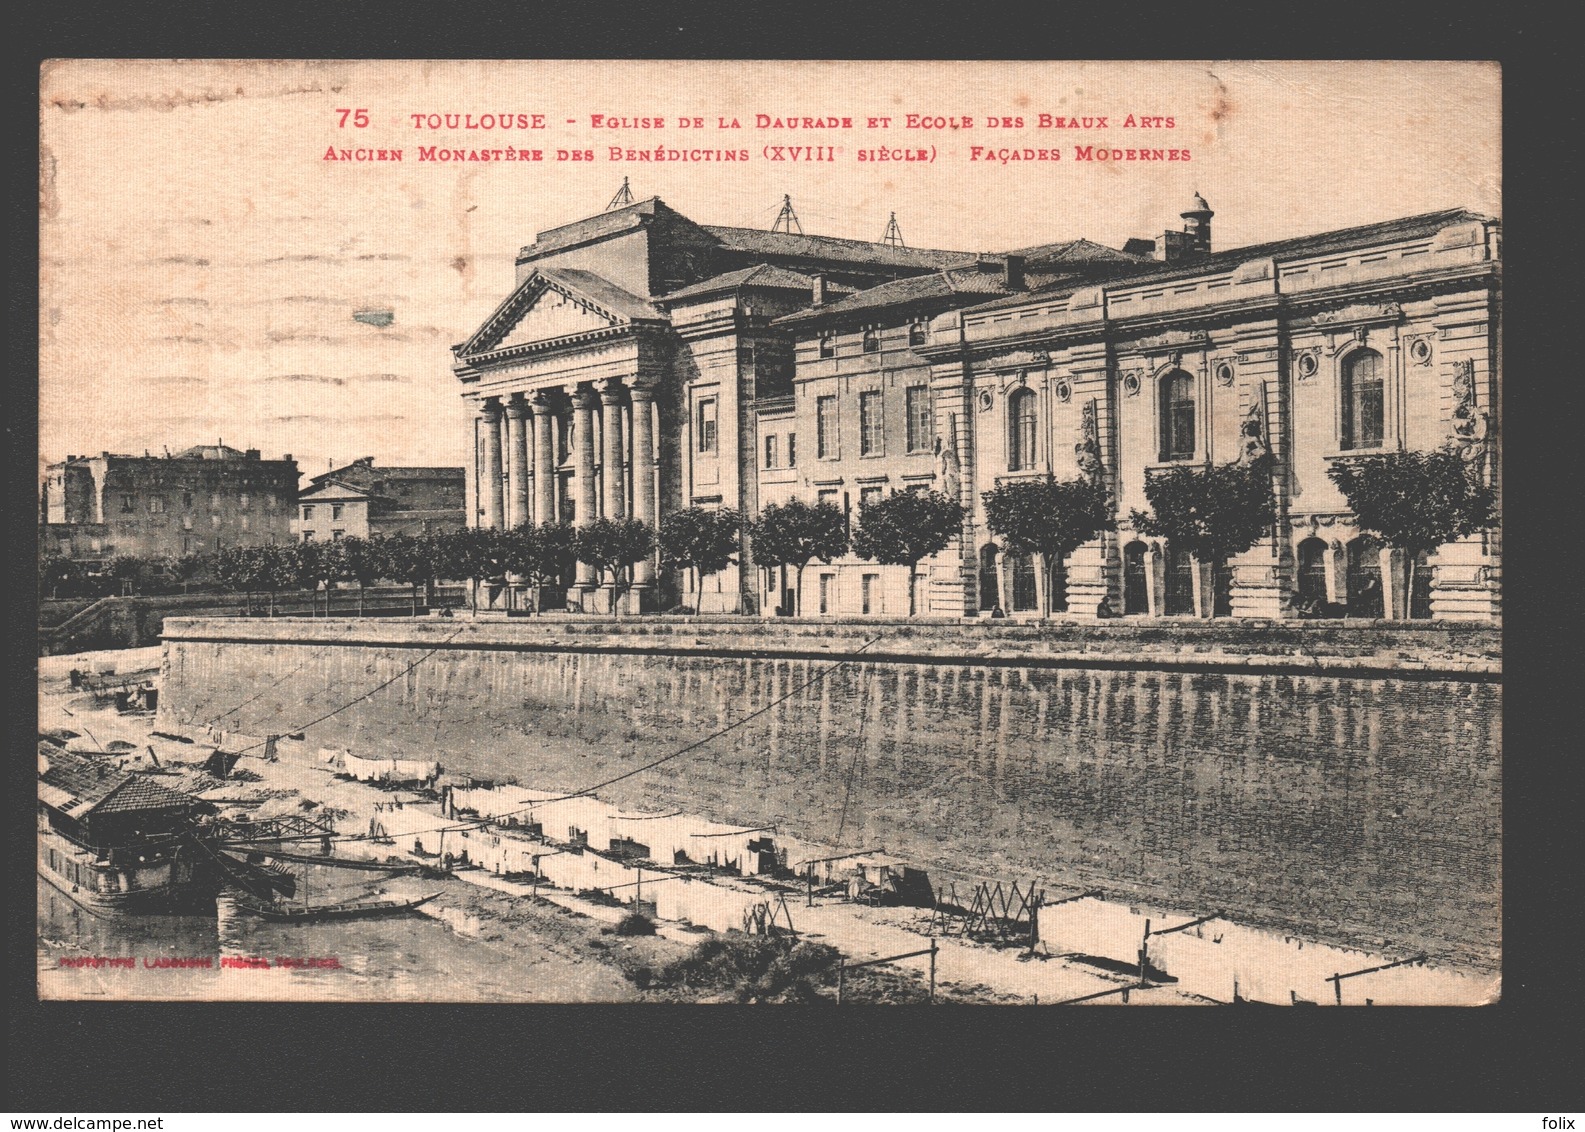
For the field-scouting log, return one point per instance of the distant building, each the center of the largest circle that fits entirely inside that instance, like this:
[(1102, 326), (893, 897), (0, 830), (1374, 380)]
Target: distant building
[(360, 501), (196, 502)]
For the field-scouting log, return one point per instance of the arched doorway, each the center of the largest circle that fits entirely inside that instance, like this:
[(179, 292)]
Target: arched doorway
[(1136, 597), (1026, 595), (990, 585), (1364, 577), (1312, 577), (1180, 582)]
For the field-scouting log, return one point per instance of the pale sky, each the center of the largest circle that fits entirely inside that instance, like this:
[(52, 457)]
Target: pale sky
[(201, 262)]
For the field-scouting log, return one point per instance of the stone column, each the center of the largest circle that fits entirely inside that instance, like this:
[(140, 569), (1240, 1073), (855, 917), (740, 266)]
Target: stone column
[(490, 490), (517, 513), (583, 402), (643, 394), (544, 460), (611, 462)]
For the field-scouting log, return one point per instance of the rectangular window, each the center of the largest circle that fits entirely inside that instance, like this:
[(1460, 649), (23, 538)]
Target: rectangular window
[(129, 504), (335, 510), (872, 438), (214, 500), (917, 399), (187, 544), (870, 594), (707, 425), (187, 499), (335, 535), (826, 438), (214, 521), (770, 451), (245, 524), (792, 449), (828, 495), (308, 536), (270, 501), (187, 522), (869, 495), (308, 510), (156, 504), (828, 592), (243, 500)]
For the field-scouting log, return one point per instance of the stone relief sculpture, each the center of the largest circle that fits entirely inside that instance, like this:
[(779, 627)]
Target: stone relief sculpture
[(1088, 450), (1253, 430), (947, 458)]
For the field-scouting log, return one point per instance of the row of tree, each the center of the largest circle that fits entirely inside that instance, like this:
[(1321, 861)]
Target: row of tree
[(1413, 501)]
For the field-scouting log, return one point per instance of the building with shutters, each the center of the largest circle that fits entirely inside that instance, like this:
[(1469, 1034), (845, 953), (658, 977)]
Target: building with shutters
[(195, 502)]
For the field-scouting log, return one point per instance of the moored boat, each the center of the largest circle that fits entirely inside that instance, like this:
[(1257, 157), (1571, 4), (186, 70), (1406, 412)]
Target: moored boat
[(346, 910)]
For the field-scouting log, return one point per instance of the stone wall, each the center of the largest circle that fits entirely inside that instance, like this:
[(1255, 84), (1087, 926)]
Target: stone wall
[(1359, 806)]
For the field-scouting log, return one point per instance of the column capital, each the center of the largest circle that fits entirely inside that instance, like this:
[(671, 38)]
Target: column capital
[(539, 401), (516, 407), (583, 396), (642, 387), (490, 408), (611, 391)]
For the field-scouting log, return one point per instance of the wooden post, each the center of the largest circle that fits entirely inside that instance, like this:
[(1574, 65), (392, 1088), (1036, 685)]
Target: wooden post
[(1337, 985), (809, 875), (841, 978), (638, 890), (1144, 949), (933, 950)]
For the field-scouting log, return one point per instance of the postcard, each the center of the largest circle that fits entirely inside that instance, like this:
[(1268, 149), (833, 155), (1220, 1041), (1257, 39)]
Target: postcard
[(770, 532)]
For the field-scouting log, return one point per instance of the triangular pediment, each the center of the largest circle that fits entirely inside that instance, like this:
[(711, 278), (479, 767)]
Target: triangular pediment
[(551, 305)]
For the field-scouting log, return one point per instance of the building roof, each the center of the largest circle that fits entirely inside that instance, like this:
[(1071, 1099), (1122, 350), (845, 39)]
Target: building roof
[(211, 452), (1416, 227), (626, 218), (760, 275), (618, 300), (760, 242), (78, 785), (361, 474), (1068, 252)]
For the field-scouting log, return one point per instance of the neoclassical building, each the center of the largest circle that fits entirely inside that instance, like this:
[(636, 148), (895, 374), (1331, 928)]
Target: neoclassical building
[(648, 363)]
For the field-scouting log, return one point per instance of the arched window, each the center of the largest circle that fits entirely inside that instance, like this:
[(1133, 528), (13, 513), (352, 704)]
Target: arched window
[(1021, 430), (1364, 577), (1363, 398), (872, 340), (1312, 577), (1136, 598), (1177, 416)]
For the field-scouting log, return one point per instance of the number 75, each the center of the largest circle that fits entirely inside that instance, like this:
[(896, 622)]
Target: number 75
[(360, 118)]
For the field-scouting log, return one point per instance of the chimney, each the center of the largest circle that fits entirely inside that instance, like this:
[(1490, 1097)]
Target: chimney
[(251, 454), (1013, 272), (817, 288)]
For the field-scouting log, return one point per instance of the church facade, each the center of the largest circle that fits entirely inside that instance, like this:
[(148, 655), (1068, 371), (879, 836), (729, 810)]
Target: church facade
[(645, 363)]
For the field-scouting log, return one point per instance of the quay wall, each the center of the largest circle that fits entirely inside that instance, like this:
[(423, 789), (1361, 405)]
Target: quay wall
[(1340, 782)]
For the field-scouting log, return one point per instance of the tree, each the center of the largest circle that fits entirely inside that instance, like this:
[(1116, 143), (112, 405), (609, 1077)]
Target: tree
[(905, 527), (539, 555), (363, 560), (1048, 518), (1213, 512), (613, 545), (250, 569), (1416, 501), (57, 571), (702, 539), (184, 568), (795, 533), (125, 569), (411, 559)]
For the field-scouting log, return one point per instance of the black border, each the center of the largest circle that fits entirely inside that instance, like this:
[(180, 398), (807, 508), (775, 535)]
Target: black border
[(127, 1057)]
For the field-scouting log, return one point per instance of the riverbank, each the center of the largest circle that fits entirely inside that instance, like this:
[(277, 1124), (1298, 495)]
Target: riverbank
[(484, 938)]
